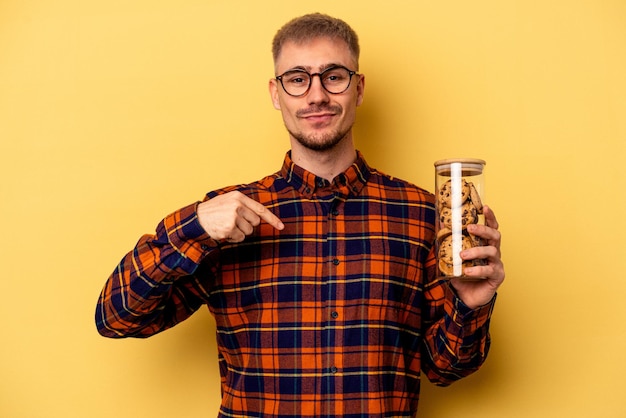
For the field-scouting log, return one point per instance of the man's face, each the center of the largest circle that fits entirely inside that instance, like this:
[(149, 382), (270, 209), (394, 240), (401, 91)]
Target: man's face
[(317, 120)]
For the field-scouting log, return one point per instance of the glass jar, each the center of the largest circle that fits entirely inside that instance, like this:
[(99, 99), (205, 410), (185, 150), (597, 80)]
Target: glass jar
[(460, 188)]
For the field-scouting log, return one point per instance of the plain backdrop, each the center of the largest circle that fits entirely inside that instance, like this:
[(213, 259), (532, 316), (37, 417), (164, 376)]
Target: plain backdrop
[(114, 114)]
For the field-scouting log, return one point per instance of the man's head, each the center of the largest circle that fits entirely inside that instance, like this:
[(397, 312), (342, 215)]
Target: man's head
[(317, 87), (316, 25)]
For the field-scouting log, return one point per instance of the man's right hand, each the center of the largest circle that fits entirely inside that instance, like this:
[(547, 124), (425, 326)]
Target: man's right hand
[(232, 216)]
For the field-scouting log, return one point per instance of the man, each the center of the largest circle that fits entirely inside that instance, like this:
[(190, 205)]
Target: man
[(321, 277)]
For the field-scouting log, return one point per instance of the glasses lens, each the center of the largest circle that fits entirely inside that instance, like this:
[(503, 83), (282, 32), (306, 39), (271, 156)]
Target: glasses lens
[(296, 83), (336, 80)]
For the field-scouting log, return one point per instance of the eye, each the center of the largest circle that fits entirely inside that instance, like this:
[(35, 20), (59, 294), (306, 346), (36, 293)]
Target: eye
[(335, 75), (296, 78)]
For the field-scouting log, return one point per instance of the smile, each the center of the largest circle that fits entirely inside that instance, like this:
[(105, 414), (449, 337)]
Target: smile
[(319, 117), (319, 112)]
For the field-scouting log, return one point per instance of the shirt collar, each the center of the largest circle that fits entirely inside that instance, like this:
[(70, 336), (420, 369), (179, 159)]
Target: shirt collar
[(348, 183)]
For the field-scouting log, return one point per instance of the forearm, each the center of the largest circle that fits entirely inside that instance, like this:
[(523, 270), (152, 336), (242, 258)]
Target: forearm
[(153, 287), (456, 344)]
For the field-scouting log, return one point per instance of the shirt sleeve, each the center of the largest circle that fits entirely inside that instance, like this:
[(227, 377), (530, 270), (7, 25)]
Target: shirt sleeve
[(456, 340), (154, 286)]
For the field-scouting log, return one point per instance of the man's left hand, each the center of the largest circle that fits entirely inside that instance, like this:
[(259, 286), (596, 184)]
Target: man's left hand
[(476, 293)]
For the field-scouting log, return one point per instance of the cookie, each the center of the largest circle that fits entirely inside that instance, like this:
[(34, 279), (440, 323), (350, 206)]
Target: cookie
[(475, 198), (445, 268), (445, 248), (443, 232), (476, 240), (468, 215), (448, 269), (446, 256), (445, 193)]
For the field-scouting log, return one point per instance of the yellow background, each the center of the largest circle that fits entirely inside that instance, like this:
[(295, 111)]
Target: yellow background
[(113, 114)]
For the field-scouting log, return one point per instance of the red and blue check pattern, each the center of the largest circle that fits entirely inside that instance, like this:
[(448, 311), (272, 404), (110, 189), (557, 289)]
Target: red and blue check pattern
[(336, 315)]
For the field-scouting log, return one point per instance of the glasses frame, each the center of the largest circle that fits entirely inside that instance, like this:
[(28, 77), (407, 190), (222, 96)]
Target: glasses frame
[(320, 74)]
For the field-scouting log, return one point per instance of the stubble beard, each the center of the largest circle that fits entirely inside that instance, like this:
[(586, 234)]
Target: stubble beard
[(321, 142)]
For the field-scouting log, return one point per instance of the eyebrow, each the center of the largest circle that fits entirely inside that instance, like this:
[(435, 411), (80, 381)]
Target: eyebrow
[(309, 69)]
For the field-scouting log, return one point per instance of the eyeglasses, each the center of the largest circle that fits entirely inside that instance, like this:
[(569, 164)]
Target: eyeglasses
[(335, 80)]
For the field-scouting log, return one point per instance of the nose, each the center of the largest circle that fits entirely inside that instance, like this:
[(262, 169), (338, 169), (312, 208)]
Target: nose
[(317, 93)]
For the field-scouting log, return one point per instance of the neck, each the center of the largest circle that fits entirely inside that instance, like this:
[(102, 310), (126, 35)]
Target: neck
[(326, 164)]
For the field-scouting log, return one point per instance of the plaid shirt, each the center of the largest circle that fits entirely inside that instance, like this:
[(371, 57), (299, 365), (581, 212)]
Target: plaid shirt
[(336, 315)]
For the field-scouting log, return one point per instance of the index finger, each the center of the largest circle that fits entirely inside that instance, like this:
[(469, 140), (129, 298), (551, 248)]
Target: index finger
[(264, 213), (490, 218)]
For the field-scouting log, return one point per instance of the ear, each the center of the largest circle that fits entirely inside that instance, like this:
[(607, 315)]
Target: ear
[(273, 86), (360, 89)]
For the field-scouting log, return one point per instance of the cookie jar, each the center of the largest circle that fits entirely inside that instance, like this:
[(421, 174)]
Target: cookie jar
[(460, 188)]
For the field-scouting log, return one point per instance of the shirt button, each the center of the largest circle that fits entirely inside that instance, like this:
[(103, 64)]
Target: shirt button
[(334, 212), (335, 261), (334, 314), (333, 370), (204, 247)]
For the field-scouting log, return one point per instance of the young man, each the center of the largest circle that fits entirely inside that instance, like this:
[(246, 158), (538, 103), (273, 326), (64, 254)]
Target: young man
[(321, 277)]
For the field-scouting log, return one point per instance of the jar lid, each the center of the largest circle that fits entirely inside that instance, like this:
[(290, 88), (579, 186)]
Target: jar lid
[(460, 160), (470, 166)]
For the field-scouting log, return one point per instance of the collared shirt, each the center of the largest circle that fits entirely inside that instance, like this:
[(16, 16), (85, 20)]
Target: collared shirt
[(337, 315)]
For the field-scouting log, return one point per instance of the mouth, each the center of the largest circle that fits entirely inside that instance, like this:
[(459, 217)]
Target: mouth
[(318, 116)]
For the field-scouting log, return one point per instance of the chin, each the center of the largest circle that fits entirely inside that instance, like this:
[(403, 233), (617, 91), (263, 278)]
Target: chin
[(322, 142)]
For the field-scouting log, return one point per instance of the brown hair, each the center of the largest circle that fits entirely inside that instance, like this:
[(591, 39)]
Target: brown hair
[(315, 25)]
